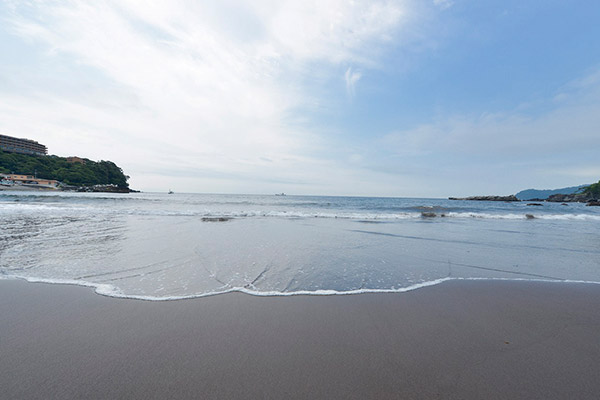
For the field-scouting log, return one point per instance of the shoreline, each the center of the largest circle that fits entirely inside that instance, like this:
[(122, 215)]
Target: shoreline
[(454, 340), (107, 290), (61, 190)]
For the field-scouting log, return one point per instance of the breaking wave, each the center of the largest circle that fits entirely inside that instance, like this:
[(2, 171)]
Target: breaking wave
[(18, 207)]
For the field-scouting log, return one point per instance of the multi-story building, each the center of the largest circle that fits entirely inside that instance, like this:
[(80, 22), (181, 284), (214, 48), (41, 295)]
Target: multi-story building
[(23, 146)]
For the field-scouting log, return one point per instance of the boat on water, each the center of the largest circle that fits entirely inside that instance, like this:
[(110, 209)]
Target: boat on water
[(280, 194), (170, 191)]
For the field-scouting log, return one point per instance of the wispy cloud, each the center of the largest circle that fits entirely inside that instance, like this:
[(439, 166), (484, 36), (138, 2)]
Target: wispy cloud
[(567, 126), (512, 145), (351, 77), (443, 4), (247, 95), (187, 83)]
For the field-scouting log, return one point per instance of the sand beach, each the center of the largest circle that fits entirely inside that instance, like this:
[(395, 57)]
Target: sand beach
[(456, 340)]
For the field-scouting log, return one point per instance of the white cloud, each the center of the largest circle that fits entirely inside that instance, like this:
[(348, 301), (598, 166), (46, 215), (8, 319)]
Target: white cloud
[(351, 77), (568, 122), (554, 147), (204, 96), (333, 30), (207, 86)]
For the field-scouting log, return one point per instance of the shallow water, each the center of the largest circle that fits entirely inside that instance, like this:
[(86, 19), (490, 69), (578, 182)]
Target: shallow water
[(158, 246)]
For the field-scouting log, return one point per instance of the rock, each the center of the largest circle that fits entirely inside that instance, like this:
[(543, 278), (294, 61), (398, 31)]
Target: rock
[(541, 195), (534, 204), (99, 189), (428, 215), (594, 202), (529, 216), (216, 219), (569, 198), (487, 198)]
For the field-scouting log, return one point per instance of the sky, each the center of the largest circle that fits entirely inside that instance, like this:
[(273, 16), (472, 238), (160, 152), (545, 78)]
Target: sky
[(410, 98)]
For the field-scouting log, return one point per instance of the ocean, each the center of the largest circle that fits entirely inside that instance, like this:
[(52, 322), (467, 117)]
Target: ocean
[(156, 246)]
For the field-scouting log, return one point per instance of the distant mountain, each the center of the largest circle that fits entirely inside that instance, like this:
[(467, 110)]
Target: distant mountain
[(531, 194)]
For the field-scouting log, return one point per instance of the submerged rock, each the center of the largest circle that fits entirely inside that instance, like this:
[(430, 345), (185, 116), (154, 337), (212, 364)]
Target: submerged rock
[(216, 219)]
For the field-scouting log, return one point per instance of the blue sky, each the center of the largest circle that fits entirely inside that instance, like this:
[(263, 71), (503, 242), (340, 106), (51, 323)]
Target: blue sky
[(386, 98)]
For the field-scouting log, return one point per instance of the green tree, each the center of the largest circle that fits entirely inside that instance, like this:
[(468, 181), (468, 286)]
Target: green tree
[(593, 190)]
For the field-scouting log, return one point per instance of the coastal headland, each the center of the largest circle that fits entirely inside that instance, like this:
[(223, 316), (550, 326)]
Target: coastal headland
[(41, 172), (85, 189), (589, 194), (456, 340)]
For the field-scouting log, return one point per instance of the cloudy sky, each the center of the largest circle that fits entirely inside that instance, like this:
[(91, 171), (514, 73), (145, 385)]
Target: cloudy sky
[(429, 98)]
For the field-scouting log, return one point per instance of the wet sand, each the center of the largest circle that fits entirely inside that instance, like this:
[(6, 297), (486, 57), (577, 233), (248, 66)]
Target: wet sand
[(457, 340)]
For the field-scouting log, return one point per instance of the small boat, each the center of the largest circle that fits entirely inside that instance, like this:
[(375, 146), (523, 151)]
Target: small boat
[(280, 194), (171, 192)]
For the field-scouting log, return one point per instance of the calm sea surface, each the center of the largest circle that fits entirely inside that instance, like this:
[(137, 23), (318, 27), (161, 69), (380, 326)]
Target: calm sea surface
[(159, 246)]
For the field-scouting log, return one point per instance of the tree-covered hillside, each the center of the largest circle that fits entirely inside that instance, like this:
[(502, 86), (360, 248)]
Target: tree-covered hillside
[(531, 194), (54, 167), (593, 190)]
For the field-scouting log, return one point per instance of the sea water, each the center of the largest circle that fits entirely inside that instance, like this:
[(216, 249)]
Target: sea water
[(158, 246)]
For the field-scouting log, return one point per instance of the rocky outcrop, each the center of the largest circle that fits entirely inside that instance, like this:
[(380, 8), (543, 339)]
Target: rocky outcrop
[(216, 219), (541, 195), (487, 198), (575, 198), (570, 198), (99, 189)]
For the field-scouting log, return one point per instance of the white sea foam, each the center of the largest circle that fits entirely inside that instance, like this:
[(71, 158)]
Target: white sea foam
[(513, 216), (569, 217), (9, 208), (12, 207), (186, 246), (112, 291)]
